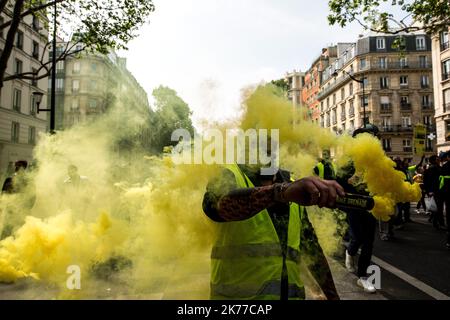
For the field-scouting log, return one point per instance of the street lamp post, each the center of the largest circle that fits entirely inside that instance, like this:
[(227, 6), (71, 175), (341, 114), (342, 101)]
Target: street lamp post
[(38, 99), (53, 89), (335, 74)]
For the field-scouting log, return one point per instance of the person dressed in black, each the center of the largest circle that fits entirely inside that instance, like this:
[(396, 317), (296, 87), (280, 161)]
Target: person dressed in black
[(362, 224), (431, 185), (444, 191)]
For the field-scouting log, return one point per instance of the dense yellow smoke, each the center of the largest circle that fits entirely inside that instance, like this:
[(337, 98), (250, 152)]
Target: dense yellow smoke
[(137, 221)]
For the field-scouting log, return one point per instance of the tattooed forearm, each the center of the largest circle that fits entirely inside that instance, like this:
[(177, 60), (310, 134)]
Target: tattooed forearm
[(242, 204)]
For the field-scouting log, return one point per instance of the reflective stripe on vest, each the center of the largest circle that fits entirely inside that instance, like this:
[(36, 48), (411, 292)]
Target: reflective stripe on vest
[(442, 181), (247, 259), (254, 250)]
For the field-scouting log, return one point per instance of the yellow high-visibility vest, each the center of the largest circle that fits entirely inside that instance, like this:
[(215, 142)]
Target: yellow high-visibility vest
[(247, 259)]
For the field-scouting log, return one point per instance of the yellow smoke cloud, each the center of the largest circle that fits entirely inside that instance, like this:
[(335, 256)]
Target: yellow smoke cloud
[(148, 210)]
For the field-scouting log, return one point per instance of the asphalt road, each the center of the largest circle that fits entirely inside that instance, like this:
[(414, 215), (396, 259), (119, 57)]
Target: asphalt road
[(415, 264)]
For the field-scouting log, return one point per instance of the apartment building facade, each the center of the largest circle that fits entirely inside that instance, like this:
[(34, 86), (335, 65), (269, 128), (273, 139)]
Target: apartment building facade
[(441, 83), (396, 75), (90, 84), (20, 124)]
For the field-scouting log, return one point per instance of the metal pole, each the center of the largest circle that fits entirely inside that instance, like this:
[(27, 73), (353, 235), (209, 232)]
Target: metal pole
[(53, 91)]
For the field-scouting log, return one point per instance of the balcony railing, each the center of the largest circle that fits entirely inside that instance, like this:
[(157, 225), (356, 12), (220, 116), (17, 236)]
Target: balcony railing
[(396, 128), (342, 116), (387, 149), (385, 107), (445, 46), (415, 64), (424, 85), (427, 106), (445, 76), (405, 106), (407, 149), (351, 113)]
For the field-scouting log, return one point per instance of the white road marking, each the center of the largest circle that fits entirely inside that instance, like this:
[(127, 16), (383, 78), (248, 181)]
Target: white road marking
[(436, 294)]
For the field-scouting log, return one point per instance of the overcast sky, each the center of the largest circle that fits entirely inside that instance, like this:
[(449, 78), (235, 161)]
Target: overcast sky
[(207, 50)]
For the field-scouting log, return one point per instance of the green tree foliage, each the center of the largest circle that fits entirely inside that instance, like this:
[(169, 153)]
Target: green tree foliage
[(171, 113), (95, 26), (281, 83), (376, 15)]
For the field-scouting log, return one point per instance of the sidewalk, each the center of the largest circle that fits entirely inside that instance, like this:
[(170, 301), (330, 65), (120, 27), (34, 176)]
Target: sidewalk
[(346, 284)]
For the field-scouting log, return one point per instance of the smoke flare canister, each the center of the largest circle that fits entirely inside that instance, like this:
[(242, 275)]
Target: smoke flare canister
[(355, 201)]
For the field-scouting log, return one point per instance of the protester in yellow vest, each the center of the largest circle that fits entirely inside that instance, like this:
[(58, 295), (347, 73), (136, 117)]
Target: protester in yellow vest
[(264, 232), (325, 168)]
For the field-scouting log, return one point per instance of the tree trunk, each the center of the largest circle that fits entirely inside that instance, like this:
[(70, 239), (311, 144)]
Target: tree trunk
[(10, 37)]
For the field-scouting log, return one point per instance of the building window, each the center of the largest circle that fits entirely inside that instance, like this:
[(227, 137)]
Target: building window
[(343, 112), (446, 99), (424, 81), (427, 120), (444, 40), (423, 61), (75, 86), (76, 67), (428, 145), (447, 130), (17, 99), (403, 61), (19, 40), (15, 130), (350, 88), (34, 81), (334, 98), (18, 66), (382, 61), (381, 43), (366, 100), (363, 63), (384, 82), (421, 43), (32, 105), (386, 144), (60, 66), (352, 125), (328, 103), (403, 81), (93, 66), (94, 87), (426, 102), (35, 23), (351, 109), (342, 94), (321, 106), (445, 69), (35, 52), (386, 123), (59, 84), (407, 145), (385, 103), (31, 135), (406, 121), (93, 104)]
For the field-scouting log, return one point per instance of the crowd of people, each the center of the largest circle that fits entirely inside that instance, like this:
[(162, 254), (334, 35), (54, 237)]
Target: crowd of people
[(433, 176)]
